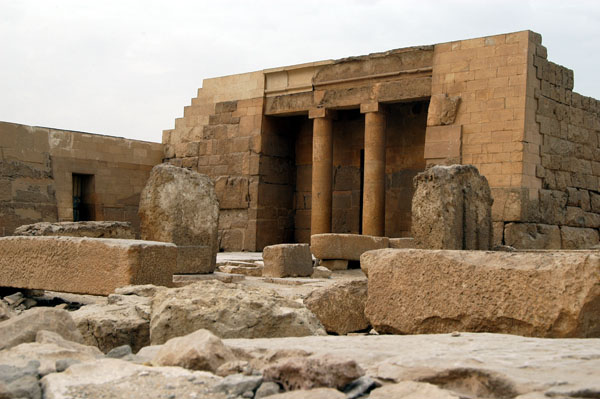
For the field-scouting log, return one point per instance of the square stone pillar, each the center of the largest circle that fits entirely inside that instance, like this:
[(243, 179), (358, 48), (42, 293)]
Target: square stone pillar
[(374, 174), (322, 176)]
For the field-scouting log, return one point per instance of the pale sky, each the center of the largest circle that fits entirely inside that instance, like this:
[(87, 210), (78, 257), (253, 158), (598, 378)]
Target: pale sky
[(127, 68)]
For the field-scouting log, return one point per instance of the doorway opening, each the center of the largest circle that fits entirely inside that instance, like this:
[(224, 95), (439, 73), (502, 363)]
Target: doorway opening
[(83, 198)]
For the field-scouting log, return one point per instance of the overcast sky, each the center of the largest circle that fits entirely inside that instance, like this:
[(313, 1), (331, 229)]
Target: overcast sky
[(127, 68)]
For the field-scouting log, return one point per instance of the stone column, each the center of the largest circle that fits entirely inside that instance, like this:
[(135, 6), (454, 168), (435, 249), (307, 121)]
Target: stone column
[(322, 164), (374, 174)]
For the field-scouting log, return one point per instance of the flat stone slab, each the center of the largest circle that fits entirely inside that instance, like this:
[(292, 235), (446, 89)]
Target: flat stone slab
[(344, 246), (93, 229), (82, 265), (551, 294)]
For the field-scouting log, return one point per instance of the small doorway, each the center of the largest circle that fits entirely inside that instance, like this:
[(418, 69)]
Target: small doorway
[(83, 198)]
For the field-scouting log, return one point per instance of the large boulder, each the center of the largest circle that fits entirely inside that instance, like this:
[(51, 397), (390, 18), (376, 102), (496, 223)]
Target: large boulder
[(328, 371), (340, 306), (124, 320), (180, 206), (228, 311), (114, 378), (541, 294), (23, 328), (200, 350), (452, 209), (93, 229), (344, 246), (287, 260)]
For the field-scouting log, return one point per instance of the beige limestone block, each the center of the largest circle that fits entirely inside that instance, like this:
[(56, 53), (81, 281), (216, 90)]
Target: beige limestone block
[(402, 243), (287, 260), (344, 246), (334, 264), (541, 293), (84, 265)]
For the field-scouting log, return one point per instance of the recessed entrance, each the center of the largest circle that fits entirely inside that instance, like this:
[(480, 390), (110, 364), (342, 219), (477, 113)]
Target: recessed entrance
[(83, 198)]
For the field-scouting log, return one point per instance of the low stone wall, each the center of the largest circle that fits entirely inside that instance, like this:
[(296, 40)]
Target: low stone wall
[(94, 266)]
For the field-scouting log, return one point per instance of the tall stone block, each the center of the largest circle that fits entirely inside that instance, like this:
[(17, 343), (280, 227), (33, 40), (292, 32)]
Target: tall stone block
[(180, 206), (451, 209)]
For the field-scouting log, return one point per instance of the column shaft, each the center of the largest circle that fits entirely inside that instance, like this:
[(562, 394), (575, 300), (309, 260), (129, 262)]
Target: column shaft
[(374, 175), (322, 163)]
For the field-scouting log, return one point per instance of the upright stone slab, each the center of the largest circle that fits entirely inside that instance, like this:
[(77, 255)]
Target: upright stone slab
[(552, 294), (452, 209), (287, 260), (94, 229), (180, 206), (82, 265)]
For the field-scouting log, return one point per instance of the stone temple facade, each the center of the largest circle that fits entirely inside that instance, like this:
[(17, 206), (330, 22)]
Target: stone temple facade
[(333, 146)]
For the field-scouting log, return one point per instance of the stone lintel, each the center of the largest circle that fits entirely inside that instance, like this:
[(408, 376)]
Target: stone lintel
[(322, 113), (371, 107)]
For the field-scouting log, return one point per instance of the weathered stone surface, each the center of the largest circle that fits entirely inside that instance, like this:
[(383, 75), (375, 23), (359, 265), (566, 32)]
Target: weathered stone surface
[(267, 389), (228, 311), (532, 236), (473, 365), (334, 264), (254, 271), (145, 290), (545, 294), (313, 372), (412, 390), (20, 382), (578, 238), (23, 328), (92, 229), (84, 265), (317, 393), (200, 350), (321, 272), (115, 378), (124, 320), (442, 109), (5, 312), (180, 206), (451, 209), (402, 243), (287, 260), (344, 246), (239, 384), (340, 307)]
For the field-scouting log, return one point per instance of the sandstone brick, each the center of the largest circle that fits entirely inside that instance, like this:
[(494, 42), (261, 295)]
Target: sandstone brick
[(344, 246), (94, 266)]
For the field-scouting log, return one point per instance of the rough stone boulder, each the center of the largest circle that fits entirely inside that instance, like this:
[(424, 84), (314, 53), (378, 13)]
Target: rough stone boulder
[(328, 371), (340, 307), (23, 328), (452, 208), (344, 246), (92, 229), (200, 350), (180, 206), (114, 378), (228, 311), (540, 294), (124, 320), (84, 265), (287, 260)]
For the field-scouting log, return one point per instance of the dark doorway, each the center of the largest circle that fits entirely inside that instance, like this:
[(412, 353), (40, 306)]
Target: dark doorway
[(83, 198)]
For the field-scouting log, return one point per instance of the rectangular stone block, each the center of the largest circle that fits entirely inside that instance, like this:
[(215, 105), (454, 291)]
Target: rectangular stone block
[(344, 246), (439, 291), (193, 259), (95, 266), (287, 260)]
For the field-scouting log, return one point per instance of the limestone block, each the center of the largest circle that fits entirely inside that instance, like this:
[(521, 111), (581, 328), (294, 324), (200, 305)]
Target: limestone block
[(442, 109), (83, 265), (232, 192), (344, 246), (95, 229), (578, 238), (401, 243), (334, 264), (180, 206), (532, 236), (340, 307), (542, 293), (287, 260), (451, 209)]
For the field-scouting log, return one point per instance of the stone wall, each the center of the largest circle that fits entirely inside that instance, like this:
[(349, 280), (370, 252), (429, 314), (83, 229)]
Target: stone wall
[(37, 166), (568, 213)]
